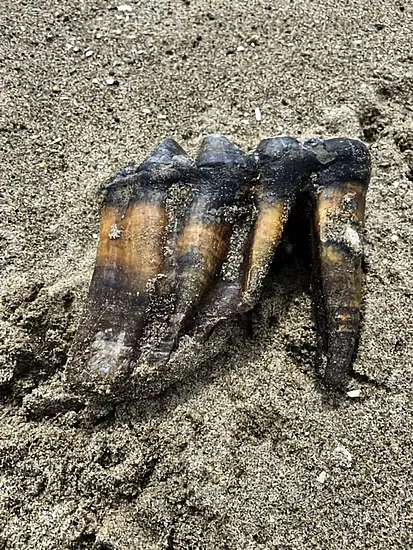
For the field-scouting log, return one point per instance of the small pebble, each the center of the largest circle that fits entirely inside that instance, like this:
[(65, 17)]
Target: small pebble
[(258, 114), (321, 479), (343, 455), (240, 49), (354, 393), (146, 111), (253, 40), (124, 7), (89, 53), (110, 81)]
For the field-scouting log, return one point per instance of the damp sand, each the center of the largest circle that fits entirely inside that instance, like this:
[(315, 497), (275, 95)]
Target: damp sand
[(247, 452)]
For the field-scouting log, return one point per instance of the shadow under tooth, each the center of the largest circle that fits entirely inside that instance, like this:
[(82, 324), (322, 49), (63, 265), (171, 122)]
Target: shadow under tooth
[(130, 253), (338, 218), (283, 165), (202, 246)]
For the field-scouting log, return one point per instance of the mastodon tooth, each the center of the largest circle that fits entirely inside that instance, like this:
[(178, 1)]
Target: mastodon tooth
[(283, 165), (338, 217), (130, 254), (203, 242)]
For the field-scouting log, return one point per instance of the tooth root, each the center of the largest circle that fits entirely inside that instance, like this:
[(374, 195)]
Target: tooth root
[(339, 202), (283, 165), (130, 253), (200, 252), (225, 298), (202, 246), (266, 236)]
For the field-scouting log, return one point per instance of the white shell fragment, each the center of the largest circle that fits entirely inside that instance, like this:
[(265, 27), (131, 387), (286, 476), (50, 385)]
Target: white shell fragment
[(114, 232), (354, 393), (258, 116), (353, 239), (343, 456), (322, 477)]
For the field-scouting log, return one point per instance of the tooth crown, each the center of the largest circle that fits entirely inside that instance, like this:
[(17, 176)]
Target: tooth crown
[(346, 159), (284, 164), (168, 270)]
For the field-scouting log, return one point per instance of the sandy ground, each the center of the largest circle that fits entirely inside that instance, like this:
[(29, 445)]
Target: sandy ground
[(248, 452)]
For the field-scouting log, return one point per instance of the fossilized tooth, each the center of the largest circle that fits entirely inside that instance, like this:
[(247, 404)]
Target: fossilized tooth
[(224, 173), (283, 165), (339, 201), (130, 254)]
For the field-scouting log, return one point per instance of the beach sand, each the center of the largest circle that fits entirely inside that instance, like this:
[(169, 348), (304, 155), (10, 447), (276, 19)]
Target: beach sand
[(248, 452)]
